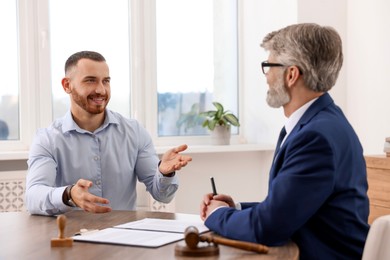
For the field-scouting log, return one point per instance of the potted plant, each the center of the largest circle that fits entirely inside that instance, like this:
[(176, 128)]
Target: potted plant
[(219, 122)]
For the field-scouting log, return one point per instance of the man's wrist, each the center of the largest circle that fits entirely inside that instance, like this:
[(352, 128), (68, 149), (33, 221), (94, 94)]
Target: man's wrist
[(217, 209), (67, 197), (171, 174)]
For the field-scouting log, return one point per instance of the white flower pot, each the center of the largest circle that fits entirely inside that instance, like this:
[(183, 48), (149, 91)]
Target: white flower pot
[(220, 135)]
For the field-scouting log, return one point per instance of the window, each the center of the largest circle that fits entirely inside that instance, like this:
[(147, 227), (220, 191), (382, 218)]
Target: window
[(9, 91), (196, 62)]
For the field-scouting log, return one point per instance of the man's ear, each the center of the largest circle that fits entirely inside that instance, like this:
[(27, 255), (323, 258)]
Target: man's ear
[(292, 75), (66, 85)]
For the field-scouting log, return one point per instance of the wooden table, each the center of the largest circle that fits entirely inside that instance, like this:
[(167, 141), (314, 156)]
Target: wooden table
[(24, 236)]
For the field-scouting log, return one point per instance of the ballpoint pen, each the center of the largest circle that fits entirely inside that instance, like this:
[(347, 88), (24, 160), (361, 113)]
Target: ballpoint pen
[(213, 186)]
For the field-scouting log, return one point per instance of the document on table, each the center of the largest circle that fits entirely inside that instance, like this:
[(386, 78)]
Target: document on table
[(148, 232), (164, 225), (120, 236)]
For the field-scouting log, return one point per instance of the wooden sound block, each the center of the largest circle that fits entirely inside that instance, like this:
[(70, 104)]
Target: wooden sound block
[(182, 249), (61, 240)]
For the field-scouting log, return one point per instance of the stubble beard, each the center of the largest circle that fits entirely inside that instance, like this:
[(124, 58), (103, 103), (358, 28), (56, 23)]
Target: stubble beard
[(83, 103)]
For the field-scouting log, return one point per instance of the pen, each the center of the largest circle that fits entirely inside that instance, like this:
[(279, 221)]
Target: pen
[(213, 186)]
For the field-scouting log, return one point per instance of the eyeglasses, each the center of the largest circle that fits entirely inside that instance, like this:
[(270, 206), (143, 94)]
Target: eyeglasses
[(265, 66)]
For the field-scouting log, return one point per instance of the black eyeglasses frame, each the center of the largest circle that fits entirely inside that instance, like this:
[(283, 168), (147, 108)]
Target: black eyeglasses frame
[(270, 64)]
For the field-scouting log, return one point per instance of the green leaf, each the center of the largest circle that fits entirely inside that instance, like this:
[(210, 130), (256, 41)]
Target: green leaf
[(212, 125), (218, 106), (232, 119)]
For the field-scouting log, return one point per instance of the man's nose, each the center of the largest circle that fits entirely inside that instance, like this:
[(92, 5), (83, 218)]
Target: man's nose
[(100, 89)]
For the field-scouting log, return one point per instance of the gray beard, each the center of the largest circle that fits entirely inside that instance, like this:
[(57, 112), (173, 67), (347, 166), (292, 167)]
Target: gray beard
[(278, 96)]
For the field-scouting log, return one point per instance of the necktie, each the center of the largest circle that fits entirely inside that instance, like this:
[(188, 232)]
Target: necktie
[(281, 137)]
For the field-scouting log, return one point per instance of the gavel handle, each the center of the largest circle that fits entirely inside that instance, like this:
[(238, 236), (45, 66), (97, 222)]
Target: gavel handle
[(249, 246)]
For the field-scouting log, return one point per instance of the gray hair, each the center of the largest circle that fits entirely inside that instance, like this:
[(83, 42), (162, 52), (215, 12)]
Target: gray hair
[(316, 50)]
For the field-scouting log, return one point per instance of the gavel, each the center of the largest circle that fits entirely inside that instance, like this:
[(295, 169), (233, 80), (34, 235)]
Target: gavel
[(192, 238)]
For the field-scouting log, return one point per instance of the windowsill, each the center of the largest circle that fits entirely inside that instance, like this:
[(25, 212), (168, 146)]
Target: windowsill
[(16, 155), (194, 149)]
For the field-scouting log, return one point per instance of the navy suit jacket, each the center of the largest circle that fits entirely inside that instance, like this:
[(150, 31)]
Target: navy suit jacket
[(317, 193)]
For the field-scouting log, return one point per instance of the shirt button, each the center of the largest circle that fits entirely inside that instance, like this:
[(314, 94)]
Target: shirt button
[(98, 182), (96, 158)]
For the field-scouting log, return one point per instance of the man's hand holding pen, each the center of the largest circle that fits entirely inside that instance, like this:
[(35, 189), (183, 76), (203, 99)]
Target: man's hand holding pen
[(212, 201)]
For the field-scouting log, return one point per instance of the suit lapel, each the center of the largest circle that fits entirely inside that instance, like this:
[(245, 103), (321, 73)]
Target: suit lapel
[(322, 102)]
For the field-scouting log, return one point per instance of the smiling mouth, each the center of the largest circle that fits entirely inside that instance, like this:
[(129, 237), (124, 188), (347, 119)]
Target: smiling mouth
[(98, 100)]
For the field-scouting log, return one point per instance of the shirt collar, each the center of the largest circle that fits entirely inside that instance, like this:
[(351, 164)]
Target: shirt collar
[(70, 125), (292, 121)]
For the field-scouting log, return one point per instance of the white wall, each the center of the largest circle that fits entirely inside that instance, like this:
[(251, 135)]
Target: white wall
[(243, 175), (368, 71)]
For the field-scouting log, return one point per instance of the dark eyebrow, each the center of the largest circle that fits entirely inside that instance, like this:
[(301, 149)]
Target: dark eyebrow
[(89, 77), (94, 78)]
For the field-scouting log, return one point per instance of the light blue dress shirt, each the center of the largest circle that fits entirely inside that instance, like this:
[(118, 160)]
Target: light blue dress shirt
[(113, 157)]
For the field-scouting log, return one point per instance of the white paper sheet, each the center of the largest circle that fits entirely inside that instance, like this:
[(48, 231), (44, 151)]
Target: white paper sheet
[(165, 225), (147, 232), (130, 237)]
